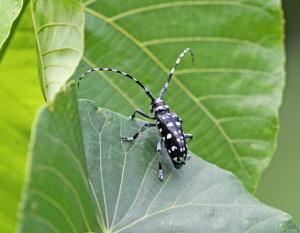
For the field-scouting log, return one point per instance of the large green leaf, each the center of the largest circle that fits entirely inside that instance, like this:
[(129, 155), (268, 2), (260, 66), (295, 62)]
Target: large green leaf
[(9, 11), (20, 96), (59, 35), (229, 99), (84, 178)]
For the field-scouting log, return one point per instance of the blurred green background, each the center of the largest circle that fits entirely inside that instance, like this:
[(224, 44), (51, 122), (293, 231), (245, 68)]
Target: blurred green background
[(280, 183)]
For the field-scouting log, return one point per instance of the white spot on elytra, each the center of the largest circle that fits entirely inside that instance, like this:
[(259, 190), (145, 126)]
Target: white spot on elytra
[(174, 148), (178, 123), (169, 136), (164, 138), (160, 129), (169, 151), (170, 124), (178, 139)]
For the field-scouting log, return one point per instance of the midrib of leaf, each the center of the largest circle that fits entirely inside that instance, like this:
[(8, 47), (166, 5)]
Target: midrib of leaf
[(41, 76), (101, 175), (165, 70), (122, 176)]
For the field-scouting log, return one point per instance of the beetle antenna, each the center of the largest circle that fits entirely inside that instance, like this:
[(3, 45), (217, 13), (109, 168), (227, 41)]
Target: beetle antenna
[(148, 92), (162, 92)]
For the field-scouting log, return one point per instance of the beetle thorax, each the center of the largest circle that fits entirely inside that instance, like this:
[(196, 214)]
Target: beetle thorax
[(159, 106)]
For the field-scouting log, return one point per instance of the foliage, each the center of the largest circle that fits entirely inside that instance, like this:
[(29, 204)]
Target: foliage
[(81, 176), (85, 178), (20, 96), (229, 99), (9, 11), (59, 35)]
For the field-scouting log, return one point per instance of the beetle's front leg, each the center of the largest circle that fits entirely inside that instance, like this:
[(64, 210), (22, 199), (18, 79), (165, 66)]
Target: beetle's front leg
[(188, 136), (147, 124), (160, 170), (142, 114)]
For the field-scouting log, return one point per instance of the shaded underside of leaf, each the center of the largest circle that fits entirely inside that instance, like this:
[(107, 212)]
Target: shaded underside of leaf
[(59, 26), (9, 11), (229, 99), (84, 178), (20, 96)]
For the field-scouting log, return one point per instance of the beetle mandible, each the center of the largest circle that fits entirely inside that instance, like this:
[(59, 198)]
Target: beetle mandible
[(168, 123)]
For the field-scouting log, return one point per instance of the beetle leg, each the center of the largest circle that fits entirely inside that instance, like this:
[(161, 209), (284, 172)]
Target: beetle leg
[(188, 136), (160, 170), (147, 124), (141, 113)]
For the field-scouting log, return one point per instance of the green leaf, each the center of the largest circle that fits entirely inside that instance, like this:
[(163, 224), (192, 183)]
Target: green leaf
[(20, 97), (229, 99), (9, 11), (59, 35), (84, 178)]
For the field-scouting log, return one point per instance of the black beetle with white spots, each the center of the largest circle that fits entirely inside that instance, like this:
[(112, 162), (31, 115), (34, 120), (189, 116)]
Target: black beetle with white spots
[(168, 123)]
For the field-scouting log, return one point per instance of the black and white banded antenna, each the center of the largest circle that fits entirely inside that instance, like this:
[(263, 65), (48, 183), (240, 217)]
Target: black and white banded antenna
[(148, 92), (164, 89)]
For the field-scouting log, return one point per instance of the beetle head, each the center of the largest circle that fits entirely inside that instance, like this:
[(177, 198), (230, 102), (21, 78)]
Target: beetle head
[(158, 106)]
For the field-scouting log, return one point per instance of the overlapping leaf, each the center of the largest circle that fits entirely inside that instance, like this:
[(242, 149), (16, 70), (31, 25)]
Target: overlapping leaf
[(20, 96), (9, 11), (229, 99), (59, 35), (84, 178)]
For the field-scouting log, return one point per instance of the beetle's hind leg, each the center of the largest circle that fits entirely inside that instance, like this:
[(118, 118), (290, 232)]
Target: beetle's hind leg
[(142, 114), (160, 170), (188, 136), (147, 124)]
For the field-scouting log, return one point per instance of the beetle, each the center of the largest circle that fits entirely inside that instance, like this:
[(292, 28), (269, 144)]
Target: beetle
[(168, 123)]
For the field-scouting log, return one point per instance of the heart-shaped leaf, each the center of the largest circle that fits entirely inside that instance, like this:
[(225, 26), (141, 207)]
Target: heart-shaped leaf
[(84, 178), (229, 99), (59, 35), (9, 11)]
